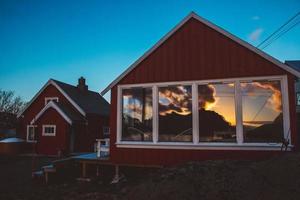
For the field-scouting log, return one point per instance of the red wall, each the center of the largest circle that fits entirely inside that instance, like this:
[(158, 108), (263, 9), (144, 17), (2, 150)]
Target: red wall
[(50, 145), (87, 133), (194, 52)]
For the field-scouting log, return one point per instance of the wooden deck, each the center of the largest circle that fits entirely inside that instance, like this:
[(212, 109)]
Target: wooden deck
[(88, 159)]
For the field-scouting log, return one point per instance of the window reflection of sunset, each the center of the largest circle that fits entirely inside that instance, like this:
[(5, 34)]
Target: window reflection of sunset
[(133, 107), (224, 101), (219, 98), (261, 102)]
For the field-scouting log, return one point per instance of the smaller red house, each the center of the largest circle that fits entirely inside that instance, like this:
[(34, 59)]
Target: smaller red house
[(63, 118)]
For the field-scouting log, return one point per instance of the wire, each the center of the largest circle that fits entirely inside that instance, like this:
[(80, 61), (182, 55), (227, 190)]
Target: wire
[(278, 30), (278, 36), (260, 109)]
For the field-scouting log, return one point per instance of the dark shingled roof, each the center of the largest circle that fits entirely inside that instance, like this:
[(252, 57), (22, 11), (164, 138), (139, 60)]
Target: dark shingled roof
[(295, 64), (74, 116), (89, 101)]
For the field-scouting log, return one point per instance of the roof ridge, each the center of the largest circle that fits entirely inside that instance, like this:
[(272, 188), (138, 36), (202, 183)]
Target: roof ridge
[(73, 86)]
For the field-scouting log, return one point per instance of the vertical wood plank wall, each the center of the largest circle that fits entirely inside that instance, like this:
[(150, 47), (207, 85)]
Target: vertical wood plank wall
[(195, 52)]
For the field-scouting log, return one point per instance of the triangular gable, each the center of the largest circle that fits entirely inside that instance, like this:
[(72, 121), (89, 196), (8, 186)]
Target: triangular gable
[(214, 27), (51, 82), (53, 105)]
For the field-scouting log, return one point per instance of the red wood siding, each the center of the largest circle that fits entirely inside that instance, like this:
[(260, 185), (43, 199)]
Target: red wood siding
[(87, 133), (195, 52), (50, 145)]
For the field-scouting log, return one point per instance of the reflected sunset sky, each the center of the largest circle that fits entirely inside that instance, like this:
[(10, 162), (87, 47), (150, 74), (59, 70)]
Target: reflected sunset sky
[(261, 101)]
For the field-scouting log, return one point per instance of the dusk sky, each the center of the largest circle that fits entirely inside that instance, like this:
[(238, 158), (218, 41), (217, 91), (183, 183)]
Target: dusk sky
[(100, 39)]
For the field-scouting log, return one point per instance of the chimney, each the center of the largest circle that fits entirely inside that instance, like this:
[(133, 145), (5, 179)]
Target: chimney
[(81, 84)]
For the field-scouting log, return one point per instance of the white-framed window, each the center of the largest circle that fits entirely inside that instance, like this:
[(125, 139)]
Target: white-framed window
[(106, 131), (227, 112), (48, 99), (49, 130), (31, 133), (137, 114), (298, 98)]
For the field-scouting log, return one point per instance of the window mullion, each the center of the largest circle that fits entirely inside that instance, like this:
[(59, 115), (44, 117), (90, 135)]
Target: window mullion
[(155, 114), (285, 108), (195, 113), (238, 113), (119, 115)]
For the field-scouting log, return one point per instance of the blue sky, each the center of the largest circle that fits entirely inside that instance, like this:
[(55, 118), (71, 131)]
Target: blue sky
[(100, 39)]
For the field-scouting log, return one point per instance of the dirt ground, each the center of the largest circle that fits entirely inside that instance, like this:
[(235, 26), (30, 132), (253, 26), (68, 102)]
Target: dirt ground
[(275, 178)]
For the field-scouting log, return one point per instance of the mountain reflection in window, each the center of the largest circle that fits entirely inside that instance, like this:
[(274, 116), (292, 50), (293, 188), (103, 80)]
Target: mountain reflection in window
[(262, 111), (217, 112), (175, 114), (137, 114)]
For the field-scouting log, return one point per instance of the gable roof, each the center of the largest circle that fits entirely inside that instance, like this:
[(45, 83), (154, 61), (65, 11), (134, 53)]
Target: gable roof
[(295, 64), (89, 101), (216, 28), (84, 102)]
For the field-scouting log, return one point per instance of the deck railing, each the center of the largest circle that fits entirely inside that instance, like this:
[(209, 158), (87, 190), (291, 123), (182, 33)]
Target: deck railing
[(102, 147)]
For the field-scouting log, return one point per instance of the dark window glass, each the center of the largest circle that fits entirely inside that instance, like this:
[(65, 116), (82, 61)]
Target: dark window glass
[(31, 133), (137, 114), (49, 130), (175, 114), (262, 111), (217, 112)]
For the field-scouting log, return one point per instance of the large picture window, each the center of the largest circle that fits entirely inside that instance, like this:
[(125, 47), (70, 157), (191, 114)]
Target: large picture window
[(262, 111), (175, 114), (137, 114), (216, 112), (227, 112)]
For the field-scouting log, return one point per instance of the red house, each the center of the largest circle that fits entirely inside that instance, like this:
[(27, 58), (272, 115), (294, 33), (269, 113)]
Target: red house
[(63, 118), (201, 93)]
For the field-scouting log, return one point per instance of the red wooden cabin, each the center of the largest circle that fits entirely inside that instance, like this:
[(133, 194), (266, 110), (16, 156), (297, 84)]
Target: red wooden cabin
[(63, 118), (201, 93)]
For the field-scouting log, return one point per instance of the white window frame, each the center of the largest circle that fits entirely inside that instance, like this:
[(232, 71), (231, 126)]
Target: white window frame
[(48, 126), (27, 134), (298, 98), (47, 99), (106, 127), (239, 145)]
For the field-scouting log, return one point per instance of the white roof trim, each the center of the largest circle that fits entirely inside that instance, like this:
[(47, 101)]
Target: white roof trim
[(51, 104), (51, 82), (213, 26)]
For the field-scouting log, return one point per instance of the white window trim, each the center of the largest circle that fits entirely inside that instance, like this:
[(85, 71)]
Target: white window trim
[(47, 99), (27, 134), (239, 145), (298, 98), (48, 126), (106, 127)]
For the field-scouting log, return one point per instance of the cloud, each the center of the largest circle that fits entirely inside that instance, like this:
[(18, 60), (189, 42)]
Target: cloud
[(175, 99), (255, 35), (255, 17)]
